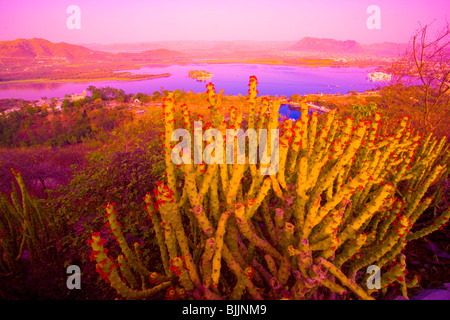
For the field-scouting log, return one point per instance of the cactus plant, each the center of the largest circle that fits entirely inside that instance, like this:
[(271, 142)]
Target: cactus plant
[(336, 205), (23, 226)]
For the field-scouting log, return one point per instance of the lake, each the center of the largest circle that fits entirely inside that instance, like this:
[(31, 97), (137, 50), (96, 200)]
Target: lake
[(233, 78)]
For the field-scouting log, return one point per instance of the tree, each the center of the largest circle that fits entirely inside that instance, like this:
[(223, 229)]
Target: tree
[(426, 66), (66, 106), (364, 111), (156, 95)]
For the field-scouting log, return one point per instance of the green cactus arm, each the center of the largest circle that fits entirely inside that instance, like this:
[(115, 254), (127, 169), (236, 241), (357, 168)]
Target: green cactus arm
[(254, 187), (271, 265), (117, 232), (32, 224), (349, 249), (285, 144), (223, 171), (309, 220), (324, 138), (345, 192), (214, 201), (302, 177), (206, 183), (422, 206), (274, 114), (15, 200), (334, 287), (109, 272), (237, 271), (367, 213), (342, 140), (238, 290), (263, 114), (261, 270), (392, 254), (276, 187), (13, 218), (419, 192), (330, 224), (206, 261), (126, 271), (179, 268), (270, 227), (329, 176), (312, 134), (298, 132), (169, 108), (250, 235), (170, 213), (284, 271), (158, 232), (395, 273), (287, 238), (219, 241), (253, 204), (388, 219), (170, 240), (327, 246), (402, 279), (438, 223), (238, 171), (140, 260), (190, 185), (252, 102), (343, 279), (377, 251)]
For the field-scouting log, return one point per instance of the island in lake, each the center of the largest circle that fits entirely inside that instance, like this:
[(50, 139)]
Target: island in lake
[(200, 75)]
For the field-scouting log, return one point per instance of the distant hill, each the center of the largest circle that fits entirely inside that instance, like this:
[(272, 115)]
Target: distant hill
[(193, 47), (149, 55), (324, 45), (387, 48), (327, 45), (41, 48)]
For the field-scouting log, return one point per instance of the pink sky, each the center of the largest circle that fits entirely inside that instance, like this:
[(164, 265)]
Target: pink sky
[(114, 21)]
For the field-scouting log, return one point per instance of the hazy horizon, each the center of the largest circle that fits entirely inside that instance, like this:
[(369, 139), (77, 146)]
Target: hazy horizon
[(115, 22)]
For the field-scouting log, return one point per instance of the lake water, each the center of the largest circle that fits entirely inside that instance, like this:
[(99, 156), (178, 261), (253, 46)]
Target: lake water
[(233, 78)]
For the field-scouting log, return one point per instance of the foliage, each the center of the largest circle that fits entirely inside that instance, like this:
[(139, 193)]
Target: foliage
[(79, 121), (364, 111), (109, 93), (124, 179), (28, 246), (23, 227), (42, 168)]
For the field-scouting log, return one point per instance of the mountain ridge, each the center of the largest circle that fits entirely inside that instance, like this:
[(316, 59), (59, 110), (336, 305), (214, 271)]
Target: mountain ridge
[(36, 48), (311, 44)]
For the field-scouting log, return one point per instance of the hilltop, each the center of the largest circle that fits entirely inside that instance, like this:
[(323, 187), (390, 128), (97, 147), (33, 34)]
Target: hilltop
[(40, 60), (152, 55), (37, 48), (40, 48), (327, 45), (332, 46)]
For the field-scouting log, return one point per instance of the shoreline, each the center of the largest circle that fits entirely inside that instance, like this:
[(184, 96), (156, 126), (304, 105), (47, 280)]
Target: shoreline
[(332, 64), (84, 80), (270, 62)]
